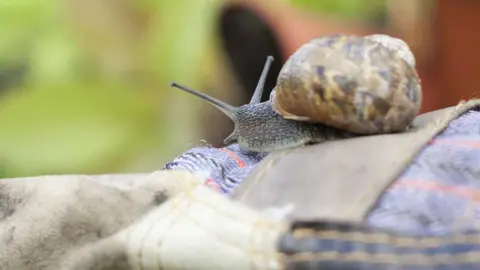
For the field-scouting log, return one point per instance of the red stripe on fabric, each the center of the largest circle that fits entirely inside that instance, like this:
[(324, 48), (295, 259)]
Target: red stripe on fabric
[(457, 142), (239, 162), (212, 184), (464, 192)]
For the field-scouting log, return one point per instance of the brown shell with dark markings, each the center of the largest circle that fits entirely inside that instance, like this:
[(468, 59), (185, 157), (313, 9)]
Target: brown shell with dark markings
[(363, 85)]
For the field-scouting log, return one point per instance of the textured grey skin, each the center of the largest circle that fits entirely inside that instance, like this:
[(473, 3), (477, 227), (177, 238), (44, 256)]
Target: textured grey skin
[(259, 128)]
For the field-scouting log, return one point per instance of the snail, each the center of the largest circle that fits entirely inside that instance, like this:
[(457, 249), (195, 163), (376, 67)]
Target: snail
[(333, 87)]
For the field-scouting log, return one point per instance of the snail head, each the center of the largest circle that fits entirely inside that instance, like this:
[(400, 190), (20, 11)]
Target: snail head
[(231, 111)]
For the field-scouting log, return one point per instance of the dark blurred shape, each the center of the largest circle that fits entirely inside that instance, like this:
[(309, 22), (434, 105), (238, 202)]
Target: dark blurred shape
[(247, 41), (12, 75)]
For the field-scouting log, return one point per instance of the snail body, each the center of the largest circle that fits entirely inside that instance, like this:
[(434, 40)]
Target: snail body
[(332, 87)]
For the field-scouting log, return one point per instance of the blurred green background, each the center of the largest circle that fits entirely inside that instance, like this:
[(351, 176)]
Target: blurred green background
[(84, 83)]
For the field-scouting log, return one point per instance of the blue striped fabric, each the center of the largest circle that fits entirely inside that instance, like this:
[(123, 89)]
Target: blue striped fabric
[(335, 245), (224, 168), (440, 191)]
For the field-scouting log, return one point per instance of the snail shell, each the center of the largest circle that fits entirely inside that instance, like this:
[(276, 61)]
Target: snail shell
[(363, 85)]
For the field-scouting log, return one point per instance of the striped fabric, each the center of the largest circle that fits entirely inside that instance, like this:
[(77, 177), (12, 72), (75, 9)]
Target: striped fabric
[(318, 245), (224, 168), (438, 193)]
